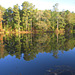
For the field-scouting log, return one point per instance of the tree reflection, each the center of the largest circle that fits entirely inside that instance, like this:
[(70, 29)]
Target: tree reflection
[(3, 52), (32, 44)]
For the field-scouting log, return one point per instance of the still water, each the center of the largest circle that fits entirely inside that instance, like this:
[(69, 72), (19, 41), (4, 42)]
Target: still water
[(37, 54)]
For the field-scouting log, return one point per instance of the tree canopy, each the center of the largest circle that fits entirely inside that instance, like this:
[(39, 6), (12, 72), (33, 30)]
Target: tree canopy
[(29, 19)]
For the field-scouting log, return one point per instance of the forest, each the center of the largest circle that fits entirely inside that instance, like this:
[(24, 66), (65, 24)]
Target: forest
[(33, 20)]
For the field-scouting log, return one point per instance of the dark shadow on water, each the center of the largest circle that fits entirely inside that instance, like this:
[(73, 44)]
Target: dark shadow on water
[(61, 70)]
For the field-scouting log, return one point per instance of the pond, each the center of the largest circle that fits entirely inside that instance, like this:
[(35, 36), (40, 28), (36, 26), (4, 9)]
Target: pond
[(37, 54)]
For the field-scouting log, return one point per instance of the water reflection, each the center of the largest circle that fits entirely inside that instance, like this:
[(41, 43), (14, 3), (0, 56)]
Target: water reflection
[(32, 44), (18, 50), (61, 70)]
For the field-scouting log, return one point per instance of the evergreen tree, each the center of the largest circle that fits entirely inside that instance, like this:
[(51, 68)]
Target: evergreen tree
[(25, 15), (16, 17)]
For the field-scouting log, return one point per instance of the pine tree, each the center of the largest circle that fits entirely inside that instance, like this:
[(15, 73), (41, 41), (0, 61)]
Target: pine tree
[(16, 17), (25, 6)]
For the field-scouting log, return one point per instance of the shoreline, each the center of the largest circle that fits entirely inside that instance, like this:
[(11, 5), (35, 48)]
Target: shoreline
[(29, 32)]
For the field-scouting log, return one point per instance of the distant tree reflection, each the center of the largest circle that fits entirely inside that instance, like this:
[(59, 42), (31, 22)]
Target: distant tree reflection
[(32, 44)]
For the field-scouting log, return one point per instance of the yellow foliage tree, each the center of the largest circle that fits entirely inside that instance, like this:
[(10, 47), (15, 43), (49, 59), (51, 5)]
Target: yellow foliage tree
[(1, 20)]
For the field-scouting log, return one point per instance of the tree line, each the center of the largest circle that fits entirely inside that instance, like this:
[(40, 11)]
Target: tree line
[(29, 19)]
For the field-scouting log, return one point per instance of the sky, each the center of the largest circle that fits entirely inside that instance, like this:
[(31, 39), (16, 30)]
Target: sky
[(42, 4)]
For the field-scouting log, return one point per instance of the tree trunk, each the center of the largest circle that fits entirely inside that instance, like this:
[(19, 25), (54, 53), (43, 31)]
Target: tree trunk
[(57, 24)]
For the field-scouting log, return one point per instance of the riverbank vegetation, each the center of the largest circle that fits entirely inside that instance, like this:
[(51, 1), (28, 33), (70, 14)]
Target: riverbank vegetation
[(29, 19)]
